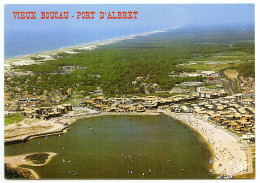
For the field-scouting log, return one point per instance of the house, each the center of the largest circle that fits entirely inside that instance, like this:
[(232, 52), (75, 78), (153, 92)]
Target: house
[(191, 84), (131, 109), (208, 74), (247, 101), (139, 78), (140, 108), (69, 91), (67, 106)]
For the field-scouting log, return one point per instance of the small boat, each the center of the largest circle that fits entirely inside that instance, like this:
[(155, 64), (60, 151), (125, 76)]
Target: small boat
[(91, 129)]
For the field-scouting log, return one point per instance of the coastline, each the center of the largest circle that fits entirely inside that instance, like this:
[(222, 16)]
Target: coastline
[(56, 128), (14, 162), (26, 59), (230, 154)]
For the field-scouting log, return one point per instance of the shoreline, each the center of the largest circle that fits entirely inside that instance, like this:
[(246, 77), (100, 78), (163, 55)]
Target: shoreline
[(26, 59), (228, 151), (15, 162), (58, 129), (231, 156)]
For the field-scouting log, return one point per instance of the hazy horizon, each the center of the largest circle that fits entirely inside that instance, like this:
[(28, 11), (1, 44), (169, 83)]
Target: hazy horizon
[(24, 37)]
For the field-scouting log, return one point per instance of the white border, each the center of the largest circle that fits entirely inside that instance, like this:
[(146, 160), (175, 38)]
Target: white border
[(118, 2)]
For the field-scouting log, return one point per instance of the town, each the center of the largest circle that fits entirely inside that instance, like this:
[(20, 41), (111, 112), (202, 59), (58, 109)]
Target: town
[(207, 99)]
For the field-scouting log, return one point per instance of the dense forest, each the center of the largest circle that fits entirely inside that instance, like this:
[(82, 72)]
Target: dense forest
[(246, 69), (114, 67)]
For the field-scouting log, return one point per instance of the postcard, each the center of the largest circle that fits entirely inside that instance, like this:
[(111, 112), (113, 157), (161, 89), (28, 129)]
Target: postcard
[(129, 91)]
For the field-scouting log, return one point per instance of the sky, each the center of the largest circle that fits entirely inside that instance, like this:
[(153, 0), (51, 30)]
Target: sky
[(27, 36), (149, 16)]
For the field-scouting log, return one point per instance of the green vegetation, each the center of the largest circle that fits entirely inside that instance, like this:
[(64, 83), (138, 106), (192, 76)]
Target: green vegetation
[(246, 69), (14, 118), (37, 58), (236, 88), (210, 86), (39, 158), (78, 50), (114, 67), (203, 66), (11, 173)]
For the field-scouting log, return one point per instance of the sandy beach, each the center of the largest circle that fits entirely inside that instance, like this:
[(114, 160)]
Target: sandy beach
[(16, 161), (231, 155), (47, 55)]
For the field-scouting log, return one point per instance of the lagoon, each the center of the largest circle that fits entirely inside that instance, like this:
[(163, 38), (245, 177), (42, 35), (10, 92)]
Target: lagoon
[(122, 147)]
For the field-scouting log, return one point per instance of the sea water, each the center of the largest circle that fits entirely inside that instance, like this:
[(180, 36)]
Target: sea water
[(29, 41)]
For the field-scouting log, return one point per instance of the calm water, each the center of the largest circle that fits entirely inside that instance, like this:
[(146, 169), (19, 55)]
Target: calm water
[(142, 147)]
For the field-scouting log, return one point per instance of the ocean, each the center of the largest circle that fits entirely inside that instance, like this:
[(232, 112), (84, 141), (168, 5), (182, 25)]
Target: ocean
[(31, 41)]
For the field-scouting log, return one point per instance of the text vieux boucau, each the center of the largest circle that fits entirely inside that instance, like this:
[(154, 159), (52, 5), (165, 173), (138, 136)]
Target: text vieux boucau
[(80, 15)]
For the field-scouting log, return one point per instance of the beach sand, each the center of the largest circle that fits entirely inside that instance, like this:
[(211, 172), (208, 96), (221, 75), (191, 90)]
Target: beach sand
[(15, 162), (37, 127), (26, 59), (231, 155)]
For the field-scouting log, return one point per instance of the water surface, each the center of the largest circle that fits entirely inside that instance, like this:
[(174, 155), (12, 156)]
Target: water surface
[(125, 147)]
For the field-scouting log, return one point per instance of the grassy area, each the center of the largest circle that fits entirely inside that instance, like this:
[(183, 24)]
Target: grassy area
[(37, 58), (236, 86), (14, 118), (214, 67), (233, 54), (211, 86), (39, 158)]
